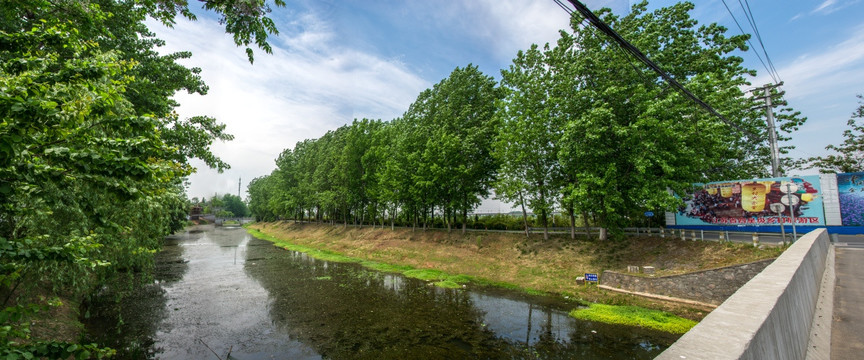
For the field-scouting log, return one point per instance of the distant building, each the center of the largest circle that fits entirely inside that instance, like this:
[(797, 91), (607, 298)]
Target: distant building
[(195, 212)]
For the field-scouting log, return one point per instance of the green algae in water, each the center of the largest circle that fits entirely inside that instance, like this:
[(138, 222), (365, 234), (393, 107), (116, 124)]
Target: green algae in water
[(634, 316)]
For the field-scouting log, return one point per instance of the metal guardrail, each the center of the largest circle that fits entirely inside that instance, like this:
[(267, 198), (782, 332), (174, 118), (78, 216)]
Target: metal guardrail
[(756, 238)]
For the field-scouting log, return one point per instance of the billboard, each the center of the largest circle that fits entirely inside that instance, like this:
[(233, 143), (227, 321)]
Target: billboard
[(769, 201), (851, 193)]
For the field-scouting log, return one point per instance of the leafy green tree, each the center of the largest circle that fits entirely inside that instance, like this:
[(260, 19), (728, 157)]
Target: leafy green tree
[(529, 136), (629, 138), (261, 190), (235, 205), (92, 155), (850, 154), (455, 121)]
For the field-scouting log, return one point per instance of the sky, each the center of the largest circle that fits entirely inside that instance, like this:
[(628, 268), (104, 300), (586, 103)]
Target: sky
[(335, 61)]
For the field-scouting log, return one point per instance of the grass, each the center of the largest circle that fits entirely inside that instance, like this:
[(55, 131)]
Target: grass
[(634, 316), (512, 261), (440, 278)]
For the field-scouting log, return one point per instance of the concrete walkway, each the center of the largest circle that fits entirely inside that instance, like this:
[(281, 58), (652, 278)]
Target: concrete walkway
[(847, 330)]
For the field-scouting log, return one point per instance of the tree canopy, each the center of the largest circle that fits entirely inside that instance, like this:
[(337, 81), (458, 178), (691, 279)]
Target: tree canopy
[(92, 155), (577, 125), (437, 156)]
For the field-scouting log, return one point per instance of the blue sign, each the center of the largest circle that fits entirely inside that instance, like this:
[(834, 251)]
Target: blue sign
[(649, 213), (591, 277)]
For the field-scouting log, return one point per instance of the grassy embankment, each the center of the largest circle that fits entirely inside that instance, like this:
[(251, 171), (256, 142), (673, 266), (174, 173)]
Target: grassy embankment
[(512, 261)]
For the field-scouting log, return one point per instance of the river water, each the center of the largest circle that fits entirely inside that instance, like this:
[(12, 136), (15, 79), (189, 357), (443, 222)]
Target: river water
[(220, 292)]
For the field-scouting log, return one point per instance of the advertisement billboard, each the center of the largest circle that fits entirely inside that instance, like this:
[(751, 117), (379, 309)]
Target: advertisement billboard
[(771, 201), (851, 193)]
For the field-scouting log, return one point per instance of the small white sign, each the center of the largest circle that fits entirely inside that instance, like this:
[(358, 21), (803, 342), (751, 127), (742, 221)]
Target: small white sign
[(777, 207)]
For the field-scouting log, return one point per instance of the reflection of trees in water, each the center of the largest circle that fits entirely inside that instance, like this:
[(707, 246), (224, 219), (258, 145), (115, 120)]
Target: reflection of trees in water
[(129, 325), (586, 340), (345, 311)]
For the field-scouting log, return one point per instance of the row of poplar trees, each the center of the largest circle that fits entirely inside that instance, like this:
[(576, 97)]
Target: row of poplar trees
[(578, 125)]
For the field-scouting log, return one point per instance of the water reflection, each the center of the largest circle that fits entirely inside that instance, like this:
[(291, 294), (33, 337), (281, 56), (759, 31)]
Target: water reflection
[(221, 291)]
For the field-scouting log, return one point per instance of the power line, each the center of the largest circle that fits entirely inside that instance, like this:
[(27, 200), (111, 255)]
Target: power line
[(752, 20), (637, 70), (603, 27), (563, 6), (773, 74)]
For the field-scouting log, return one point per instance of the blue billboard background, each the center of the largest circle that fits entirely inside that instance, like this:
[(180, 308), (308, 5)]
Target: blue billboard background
[(851, 193)]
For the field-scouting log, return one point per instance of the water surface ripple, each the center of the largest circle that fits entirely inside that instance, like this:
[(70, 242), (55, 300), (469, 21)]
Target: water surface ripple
[(220, 289)]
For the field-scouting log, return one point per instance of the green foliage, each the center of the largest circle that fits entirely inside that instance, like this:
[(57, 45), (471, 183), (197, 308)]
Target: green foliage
[(577, 125), (92, 155), (604, 133), (634, 316), (231, 206), (850, 154), (528, 142), (361, 172)]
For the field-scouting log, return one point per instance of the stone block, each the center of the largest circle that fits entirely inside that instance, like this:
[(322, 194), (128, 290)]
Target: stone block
[(648, 269)]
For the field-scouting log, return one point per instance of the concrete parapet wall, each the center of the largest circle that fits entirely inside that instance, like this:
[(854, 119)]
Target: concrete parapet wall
[(711, 286), (769, 317)]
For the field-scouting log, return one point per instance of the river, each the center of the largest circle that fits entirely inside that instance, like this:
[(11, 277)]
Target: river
[(219, 292)]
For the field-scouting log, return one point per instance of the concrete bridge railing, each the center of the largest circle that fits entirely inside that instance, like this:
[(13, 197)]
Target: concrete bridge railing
[(770, 317)]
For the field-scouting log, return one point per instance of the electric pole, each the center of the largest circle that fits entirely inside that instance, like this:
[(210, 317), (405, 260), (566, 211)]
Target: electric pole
[(239, 181), (772, 129)]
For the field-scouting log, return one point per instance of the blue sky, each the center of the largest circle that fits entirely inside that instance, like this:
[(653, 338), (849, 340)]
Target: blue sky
[(339, 60)]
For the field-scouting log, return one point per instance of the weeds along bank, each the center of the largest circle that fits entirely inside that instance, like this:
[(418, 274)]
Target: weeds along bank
[(508, 260)]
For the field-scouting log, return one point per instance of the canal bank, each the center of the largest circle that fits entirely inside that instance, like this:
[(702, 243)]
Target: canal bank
[(219, 291), (513, 261)]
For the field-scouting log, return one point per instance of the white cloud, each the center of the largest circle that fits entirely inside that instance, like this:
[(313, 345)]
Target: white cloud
[(822, 84), (309, 85), (825, 7), (500, 27), (312, 83), (839, 65)]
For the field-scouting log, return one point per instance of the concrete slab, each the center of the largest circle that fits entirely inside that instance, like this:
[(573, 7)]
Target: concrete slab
[(847, 328), (819, 347)]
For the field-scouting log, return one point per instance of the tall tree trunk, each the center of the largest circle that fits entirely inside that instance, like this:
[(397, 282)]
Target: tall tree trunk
[(587, 227), (447, 212), (604, 232), (524, 213), (543, 213), (545, 225), (572, 222), (465, 219)]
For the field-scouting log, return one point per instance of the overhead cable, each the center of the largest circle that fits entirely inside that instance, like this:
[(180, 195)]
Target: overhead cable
[(603, 27), (755, 51), (752, 20)]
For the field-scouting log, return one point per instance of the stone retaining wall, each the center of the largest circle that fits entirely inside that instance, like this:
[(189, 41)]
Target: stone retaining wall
[(712, 286)]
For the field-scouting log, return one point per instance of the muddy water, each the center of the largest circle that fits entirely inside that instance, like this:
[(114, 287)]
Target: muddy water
[(221, 291)]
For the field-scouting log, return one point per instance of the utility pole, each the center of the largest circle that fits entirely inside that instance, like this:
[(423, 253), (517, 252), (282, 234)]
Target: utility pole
[(239, 181), (772, 129)]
